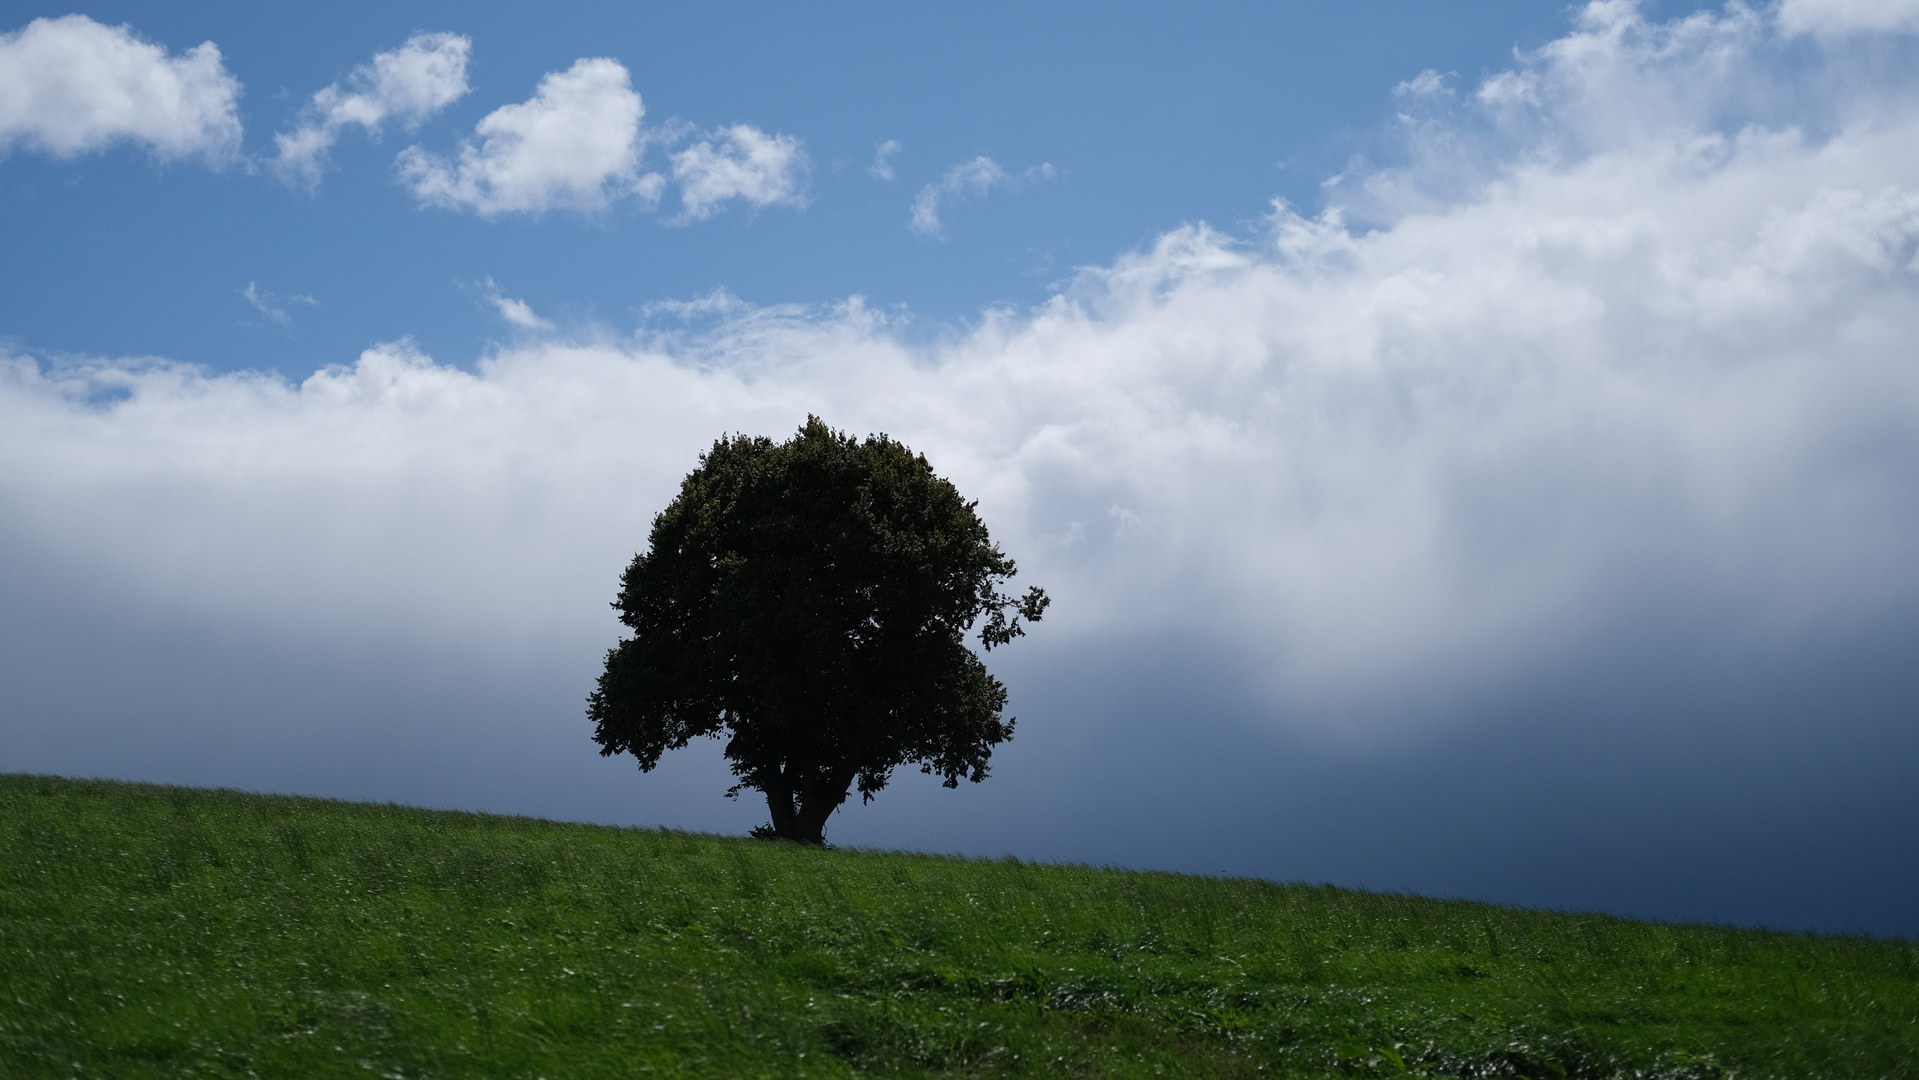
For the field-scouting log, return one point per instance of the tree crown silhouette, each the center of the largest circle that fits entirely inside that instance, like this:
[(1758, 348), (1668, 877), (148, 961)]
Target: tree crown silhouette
[(808, 601)]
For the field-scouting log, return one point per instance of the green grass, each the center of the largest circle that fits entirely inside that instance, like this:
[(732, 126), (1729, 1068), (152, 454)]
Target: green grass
[(156, 931)]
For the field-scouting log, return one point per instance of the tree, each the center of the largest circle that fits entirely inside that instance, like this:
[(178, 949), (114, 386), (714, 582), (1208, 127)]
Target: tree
[(808, 601)]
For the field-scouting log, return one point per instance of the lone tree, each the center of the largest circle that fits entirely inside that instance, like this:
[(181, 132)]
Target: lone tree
[(810, 599)]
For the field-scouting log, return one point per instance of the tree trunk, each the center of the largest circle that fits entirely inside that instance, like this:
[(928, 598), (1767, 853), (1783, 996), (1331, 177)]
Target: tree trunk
[(809, 824), (817, 801), (800, 809), (779, 802)]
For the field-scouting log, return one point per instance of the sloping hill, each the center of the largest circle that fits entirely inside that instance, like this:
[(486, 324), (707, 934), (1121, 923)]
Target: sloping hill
[(155, 931)]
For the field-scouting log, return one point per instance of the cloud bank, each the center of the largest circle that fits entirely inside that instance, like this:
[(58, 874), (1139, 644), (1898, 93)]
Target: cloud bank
[(1664, 380), (408, 84), (72, 86)]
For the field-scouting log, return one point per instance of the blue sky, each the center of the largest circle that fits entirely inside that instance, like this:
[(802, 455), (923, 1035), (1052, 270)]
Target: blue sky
[(1200, 114), (1470, 446)]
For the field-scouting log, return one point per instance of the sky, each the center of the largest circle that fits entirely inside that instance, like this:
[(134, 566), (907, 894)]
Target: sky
[(1471, 447)]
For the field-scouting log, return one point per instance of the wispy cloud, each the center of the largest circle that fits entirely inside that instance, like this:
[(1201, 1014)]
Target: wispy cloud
[(967, 180), (408, 84), (1844, 17), (516, 312), (1427, 83), (716, 303), (71, 86), (272, 305), (883, 156)]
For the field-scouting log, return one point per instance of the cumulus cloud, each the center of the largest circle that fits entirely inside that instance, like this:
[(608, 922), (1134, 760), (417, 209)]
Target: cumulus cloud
[(408, 84), (739, 162), (575, 145), (968, 179), (1647, 381), (71, 86)]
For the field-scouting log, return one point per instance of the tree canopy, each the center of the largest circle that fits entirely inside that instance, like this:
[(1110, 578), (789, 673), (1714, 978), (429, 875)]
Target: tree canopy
[(809, 602)]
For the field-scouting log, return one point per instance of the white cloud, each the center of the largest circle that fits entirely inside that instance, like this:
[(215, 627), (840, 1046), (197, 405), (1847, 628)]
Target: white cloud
[(716, 303), (408, 84), (1618, 79), (520, 314), (516, 312), (1839, 17), (1648, 381), (968, 179), (1427, 83), (574, 145), (739, 162), (648, 190), (70, 86), (883, 156)]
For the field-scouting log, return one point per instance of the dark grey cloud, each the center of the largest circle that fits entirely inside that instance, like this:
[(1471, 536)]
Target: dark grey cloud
[(1650, 782)]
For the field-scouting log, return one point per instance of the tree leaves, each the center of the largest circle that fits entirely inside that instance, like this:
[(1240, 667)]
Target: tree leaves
[(809, 600)]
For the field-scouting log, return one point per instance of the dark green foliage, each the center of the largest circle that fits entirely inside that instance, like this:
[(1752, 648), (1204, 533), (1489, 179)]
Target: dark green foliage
[(165, 932), (810, 599)]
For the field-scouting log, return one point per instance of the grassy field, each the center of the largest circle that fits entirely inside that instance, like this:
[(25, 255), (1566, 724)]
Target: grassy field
[(155, 931)]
